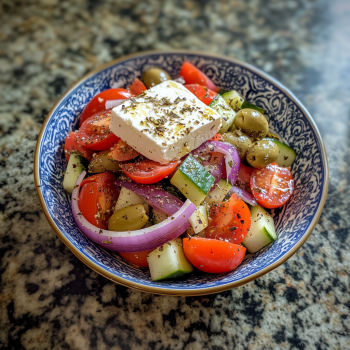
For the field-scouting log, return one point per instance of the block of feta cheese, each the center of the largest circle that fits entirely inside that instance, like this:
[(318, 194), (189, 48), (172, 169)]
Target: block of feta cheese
[(165, 122)]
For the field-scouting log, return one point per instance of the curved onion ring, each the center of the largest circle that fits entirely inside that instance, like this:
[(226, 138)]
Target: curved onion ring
[(244, 195), (155, 197), (133, 241)]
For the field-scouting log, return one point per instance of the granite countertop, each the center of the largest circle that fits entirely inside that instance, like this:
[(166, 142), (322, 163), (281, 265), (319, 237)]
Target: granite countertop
[(51, 300)]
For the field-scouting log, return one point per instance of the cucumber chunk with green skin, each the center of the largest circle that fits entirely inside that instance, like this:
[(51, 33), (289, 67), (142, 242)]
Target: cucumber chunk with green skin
[(168, 261), (74, 169), (218, 194), (233, 99), (262, 230), (199, 219), (223, 91), (193, 180), (247, 104), (286, 154), (227, 113)]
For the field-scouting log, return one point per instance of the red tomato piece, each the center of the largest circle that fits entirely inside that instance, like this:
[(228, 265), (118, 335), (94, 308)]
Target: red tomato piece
[(272, 186), (98, 194), (243, 179), (72, 145), (137, 87), (139, 258), (98, 102), (202, 93), (211, 255), (193, 75), (216, 137), (229, 220), (148, 171), (122, 151), (95, 133)]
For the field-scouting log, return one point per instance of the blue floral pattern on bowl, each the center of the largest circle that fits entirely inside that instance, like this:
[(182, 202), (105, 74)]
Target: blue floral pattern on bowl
[(286, 117)]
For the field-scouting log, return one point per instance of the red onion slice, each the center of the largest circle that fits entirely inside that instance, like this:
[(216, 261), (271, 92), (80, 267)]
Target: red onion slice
[(232, 159), (244, 195), (133, 241), (114, 103), (155, 197)]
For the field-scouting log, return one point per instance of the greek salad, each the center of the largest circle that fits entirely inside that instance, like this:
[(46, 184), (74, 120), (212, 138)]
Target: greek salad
[(176, 175)]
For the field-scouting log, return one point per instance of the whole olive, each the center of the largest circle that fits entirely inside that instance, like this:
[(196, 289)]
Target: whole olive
[(154, 76), (262, 153), (252, 122), (239, 140)]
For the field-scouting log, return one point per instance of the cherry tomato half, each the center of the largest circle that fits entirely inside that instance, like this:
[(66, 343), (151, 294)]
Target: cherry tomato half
[(137, 87), (193, 75), (98, 102), (229, 220), (211, 255), (95, 133), (148, 171), (122, 151), (98, 194), (202, 93), (272, 186), (139, 259), (71, 145)]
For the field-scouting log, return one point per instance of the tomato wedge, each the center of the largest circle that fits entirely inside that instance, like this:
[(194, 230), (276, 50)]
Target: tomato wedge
[(137, 87), (216, 137), (98, 102), (243, 179), (139, 258), (202, 93), (213, 256), (72, 145), (272, 186), (95, 133), (193, 75), (98, 194), (147, 171), (229, 220), (122, 151)]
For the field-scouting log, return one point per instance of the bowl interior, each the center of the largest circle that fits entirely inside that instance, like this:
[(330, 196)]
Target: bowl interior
[(286, 117)]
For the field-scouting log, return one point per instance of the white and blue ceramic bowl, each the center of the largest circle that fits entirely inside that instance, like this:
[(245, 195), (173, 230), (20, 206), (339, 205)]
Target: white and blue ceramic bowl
[(286, 116)]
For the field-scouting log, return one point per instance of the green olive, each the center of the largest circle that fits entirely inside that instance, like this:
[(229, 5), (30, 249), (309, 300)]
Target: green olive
[(154, 76), (262, 153), (252, 122), (100, 163), (240, 141), (130, 218)]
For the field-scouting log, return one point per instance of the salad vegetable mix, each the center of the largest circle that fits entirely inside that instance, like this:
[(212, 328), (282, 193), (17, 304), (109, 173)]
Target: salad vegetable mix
[(180, 174)]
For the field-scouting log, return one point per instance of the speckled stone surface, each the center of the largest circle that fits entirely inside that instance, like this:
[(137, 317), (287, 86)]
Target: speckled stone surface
[(48, 298)]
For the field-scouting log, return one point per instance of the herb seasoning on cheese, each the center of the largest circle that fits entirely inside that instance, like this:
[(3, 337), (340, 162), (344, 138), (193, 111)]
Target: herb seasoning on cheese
[(165, 122)]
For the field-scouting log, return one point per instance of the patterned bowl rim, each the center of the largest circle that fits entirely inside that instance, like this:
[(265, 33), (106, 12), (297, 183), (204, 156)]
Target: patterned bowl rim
[(194, 291)]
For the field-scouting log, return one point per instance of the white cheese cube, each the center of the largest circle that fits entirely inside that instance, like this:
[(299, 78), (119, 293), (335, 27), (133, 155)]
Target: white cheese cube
[(165, 122)]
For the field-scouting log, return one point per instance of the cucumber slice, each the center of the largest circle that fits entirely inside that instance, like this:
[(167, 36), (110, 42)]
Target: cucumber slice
[(286, 155), (193, 180), (218, 194), (262, 230), (127, 198), (168, 261), (227, 113), (223, 91), (247, 104), (233, 99), (199, 219), (74, 169)]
